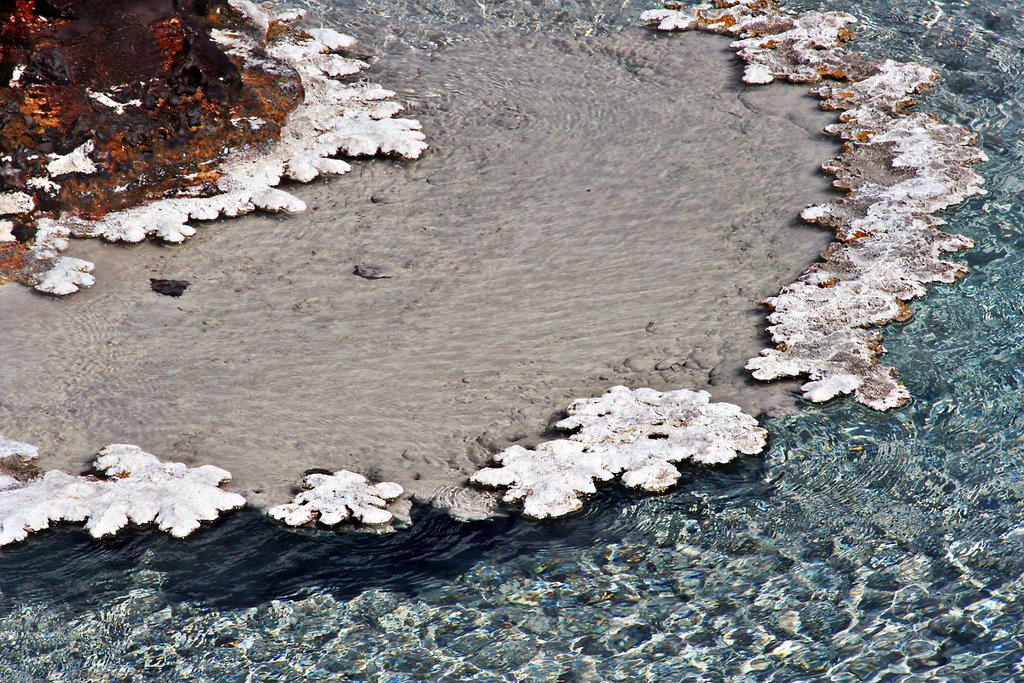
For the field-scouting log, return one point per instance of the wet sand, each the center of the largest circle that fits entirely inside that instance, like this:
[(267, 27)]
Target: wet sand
[(591, 212)]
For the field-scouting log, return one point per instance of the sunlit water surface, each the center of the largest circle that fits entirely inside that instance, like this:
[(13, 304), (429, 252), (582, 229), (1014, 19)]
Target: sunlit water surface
[(862, 547)]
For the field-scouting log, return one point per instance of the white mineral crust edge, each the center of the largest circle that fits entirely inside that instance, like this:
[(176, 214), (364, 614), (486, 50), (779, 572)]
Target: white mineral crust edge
[(334, 498), (891, 247), (635, 434), (136, 488), (897, 170)]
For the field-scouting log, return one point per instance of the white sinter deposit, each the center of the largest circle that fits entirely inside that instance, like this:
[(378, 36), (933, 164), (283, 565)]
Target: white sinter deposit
[(637, 435), (897, 169), (331, 499), (18, 449), (137, 488), (335, 118)]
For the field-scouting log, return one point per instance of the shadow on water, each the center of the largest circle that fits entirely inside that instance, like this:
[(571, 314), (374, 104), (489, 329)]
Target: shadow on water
[(245, 559)]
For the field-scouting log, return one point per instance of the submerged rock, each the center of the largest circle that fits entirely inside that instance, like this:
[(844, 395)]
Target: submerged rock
[(132, 119), (897, 169)]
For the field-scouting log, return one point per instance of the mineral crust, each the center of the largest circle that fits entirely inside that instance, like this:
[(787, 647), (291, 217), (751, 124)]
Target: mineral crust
[(635, 434), (128, 119), (896, 169), (135, 487), (331, 499)]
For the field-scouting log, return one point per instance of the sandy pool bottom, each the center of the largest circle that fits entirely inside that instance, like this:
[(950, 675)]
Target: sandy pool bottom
[(592, 211)]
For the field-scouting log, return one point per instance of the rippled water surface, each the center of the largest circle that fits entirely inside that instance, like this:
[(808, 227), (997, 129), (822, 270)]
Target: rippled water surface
[(863, 547)]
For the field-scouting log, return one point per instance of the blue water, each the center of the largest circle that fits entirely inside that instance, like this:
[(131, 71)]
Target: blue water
[(862, 547)]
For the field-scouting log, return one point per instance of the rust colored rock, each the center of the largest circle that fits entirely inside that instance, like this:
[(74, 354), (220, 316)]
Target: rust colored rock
[(141, 83), (131, 119)]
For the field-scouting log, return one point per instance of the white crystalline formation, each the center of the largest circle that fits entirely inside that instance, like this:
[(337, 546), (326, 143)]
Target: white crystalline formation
[(16, 449), (897, 169), (335, 118), (334, 498), (637, 435), (137, 488)]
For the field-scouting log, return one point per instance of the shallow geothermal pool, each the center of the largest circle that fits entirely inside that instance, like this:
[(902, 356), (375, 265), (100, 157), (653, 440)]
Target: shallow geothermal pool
[(863, 546)]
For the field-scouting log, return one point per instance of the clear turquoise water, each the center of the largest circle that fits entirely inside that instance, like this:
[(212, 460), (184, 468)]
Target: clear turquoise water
[(863, 547)]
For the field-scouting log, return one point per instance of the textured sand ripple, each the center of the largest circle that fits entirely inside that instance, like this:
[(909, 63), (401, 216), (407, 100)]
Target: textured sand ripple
[(568, 230)]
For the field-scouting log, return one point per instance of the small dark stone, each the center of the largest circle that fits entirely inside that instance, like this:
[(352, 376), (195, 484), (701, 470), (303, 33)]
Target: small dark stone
[(46, 66), (168, 287), (817, 549), (372, 272), (883, 580), (23, 233), (871, 599), (134, 138), (194, 116), (628, 638), (822, 619)]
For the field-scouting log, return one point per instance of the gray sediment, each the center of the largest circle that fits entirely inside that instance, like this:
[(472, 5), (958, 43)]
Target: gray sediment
[(592, 211)]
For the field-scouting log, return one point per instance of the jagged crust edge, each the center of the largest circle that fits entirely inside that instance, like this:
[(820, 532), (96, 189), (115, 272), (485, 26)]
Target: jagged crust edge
[(897, 168), (331, 499), (357, 119), (135, 487), (636, 435)]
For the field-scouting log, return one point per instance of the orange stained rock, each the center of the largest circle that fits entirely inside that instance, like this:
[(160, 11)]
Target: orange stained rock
[(905, 312), (846, 35), (832, 72), (725, 18), (11, 259), (142, 80)]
